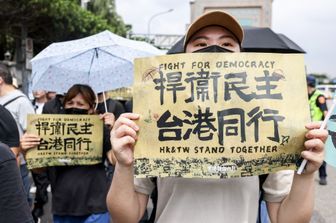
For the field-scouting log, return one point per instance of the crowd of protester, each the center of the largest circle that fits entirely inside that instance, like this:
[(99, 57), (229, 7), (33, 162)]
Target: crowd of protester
[(108, 191), (78, 193)]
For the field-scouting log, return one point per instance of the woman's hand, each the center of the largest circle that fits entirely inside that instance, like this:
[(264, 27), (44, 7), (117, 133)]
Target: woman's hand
[(29, 141), (123, 138), (314, 147), (108, 118)]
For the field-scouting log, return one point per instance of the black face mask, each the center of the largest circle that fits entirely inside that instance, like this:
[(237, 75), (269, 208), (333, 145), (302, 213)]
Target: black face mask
[(213, 49), (76, 111)]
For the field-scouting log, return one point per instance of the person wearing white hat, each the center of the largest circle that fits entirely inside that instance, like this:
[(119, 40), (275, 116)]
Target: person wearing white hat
[(211, 200)]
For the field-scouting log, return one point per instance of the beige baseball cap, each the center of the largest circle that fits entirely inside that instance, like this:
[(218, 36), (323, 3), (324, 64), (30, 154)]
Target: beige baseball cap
[(215, 18)]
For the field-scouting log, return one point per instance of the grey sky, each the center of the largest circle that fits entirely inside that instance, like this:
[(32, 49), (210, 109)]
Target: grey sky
[(311, 24)]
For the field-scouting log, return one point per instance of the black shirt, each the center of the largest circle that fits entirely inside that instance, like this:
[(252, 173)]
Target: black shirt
[(113, 106), (80, 190), (129, 105), (54, 106), (14, 207), (9, 133)]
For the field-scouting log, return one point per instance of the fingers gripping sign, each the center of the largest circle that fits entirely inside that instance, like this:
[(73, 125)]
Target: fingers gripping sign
[(29, 141), (314, 153), (123, 138)]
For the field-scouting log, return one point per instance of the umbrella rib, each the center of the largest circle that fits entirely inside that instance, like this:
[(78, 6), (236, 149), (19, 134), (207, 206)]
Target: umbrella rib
[(93, 56), (114, 55), (85, 52)]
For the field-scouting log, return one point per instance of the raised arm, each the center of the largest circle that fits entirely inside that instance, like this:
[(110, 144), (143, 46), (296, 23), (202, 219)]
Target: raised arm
[(124, 204), (298, 206)]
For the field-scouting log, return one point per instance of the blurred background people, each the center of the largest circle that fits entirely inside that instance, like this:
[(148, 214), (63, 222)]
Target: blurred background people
[(40, 98), (106, 104), (51, 95), (318, 111), (54, 105)]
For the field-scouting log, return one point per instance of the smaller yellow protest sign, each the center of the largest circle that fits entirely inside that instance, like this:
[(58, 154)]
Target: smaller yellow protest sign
[(65, 140)]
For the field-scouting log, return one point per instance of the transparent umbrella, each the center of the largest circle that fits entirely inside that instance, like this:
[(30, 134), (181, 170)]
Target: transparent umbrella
[(104, 61)]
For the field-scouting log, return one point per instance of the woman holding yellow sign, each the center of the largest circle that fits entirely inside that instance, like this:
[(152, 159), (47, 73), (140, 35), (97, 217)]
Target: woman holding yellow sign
[(78, 192)]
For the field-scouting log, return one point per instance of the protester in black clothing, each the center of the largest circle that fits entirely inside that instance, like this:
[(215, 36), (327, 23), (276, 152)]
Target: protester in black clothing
[(113, 106), (78, 192), (54, 106), (9, 133), (14, 206)]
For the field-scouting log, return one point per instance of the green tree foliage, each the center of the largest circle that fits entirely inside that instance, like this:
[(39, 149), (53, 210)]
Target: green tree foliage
[(106, 9), (48, 21)]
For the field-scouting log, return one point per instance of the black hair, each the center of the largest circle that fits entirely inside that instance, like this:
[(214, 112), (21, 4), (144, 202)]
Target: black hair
[(5, 74)]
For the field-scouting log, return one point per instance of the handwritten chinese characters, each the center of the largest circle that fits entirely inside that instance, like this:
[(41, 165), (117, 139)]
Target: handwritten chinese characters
[(57, 130), (65, 140), (213, 108)]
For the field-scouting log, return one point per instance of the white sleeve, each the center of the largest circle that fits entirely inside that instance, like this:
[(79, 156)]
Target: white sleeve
[(25, 108), (144, 185), (277, 185)]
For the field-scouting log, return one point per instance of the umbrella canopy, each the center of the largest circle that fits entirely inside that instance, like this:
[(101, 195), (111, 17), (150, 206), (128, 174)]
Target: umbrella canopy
[(257, 40), (265, 40), (104, 61)]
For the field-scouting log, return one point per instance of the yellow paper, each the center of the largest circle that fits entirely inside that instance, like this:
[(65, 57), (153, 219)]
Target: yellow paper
[(65, 140), (219, 114)]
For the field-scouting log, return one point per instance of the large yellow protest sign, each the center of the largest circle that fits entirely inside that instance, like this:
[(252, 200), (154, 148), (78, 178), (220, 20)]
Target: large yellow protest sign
[(219, 114), (65, 140)]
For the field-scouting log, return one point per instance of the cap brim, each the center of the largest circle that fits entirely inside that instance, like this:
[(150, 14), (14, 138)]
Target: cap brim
[(215, 18)]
